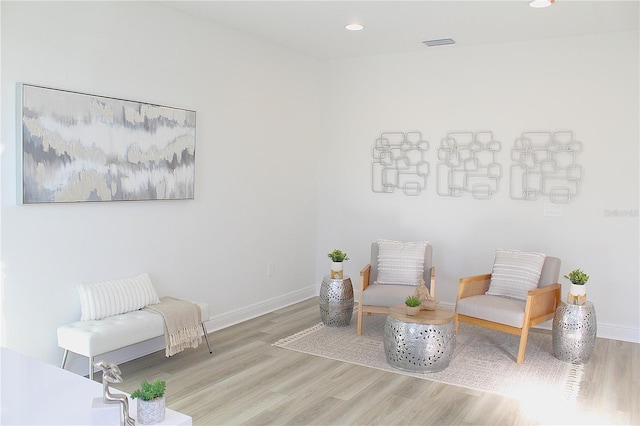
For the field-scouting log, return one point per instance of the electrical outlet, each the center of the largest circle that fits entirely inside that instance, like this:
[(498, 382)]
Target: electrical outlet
[(270, 269)]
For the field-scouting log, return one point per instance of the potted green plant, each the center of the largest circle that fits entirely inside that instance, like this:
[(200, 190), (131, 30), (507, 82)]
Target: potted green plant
[(151, 402), (413, 305), (578, 279), (337, 257)]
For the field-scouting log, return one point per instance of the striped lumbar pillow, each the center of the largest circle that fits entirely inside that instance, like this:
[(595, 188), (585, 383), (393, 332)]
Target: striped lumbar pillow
[(101, 300), (515, 273), (400, 263)]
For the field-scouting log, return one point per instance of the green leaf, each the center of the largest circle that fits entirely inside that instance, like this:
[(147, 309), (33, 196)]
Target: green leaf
[(338, 256), (148, 391)]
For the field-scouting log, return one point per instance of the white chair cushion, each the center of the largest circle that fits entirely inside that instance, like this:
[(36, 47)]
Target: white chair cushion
[(95, 337), (386, 295), (102, 300), (400, 263), (515, 273), (493, 308)]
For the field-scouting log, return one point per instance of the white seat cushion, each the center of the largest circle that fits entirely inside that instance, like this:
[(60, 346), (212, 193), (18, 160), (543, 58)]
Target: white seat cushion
[(493, 308), (386, 295), (94, 337)]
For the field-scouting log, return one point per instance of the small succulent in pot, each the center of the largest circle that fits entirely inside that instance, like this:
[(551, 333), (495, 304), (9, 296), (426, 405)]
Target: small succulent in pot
[(412, 301), (577, 277), (151, 402), (338, 256), (149, 391), (412, 305)]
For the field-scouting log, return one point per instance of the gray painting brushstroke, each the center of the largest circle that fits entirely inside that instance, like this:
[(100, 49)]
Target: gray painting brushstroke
[(80, 147)]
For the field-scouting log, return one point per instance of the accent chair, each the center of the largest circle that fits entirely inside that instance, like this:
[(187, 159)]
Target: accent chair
[(521, 291), (394, 272)]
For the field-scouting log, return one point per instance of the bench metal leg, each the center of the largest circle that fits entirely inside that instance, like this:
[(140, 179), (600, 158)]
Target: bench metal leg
[(204, 331), (90, 368), (64, 362), (64, 358)]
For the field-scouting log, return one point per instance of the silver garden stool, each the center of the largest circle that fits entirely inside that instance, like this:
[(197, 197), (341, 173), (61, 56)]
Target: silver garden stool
[(574, 332), (423, 343), (336, 301)]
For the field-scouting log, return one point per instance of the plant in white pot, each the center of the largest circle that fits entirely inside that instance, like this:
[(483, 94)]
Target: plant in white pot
[(577, 292), (337, 257), (151, 402)]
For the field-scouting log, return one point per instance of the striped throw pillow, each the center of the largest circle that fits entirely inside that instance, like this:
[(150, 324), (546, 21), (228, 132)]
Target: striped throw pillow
[(515, 273), (101, 300), (400, 263)]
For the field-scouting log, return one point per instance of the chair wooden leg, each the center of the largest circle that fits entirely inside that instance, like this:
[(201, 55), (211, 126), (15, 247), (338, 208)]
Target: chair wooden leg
[(455, 323), (523, 344), (359, 329)]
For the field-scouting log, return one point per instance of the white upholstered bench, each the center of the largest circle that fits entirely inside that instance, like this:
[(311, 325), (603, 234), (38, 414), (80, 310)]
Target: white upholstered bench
[(101, 331)]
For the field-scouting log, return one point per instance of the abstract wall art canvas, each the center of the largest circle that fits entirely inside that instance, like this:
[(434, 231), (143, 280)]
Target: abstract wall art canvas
[(81, 147)]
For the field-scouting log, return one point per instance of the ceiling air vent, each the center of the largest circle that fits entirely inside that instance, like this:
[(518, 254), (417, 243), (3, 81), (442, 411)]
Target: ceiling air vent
[(438, 42)]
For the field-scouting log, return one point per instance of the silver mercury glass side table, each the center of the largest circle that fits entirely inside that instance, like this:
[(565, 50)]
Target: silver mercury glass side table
[(423, 343), (336, 301), (574, 332)]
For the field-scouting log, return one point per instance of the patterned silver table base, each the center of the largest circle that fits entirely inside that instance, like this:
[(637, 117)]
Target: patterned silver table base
[(336, 301), (419, 348), (574, 332)]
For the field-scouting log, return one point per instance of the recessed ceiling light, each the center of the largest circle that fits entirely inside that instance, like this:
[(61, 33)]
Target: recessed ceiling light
[(541, 3), (354, 27)]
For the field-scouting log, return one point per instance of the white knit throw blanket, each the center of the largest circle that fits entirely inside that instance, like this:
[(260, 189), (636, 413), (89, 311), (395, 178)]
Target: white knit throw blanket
[(182, 322)]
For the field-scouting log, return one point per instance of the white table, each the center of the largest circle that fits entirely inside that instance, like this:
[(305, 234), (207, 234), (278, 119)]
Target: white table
[(35, 393)]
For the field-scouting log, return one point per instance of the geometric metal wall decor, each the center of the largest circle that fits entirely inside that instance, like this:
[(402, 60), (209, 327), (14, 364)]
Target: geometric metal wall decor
[(546, 164), (80, 147), (468, 164), (400, 163)]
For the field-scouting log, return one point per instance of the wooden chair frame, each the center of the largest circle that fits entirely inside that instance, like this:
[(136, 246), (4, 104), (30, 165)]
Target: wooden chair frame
[(371, 309), (540, 306)]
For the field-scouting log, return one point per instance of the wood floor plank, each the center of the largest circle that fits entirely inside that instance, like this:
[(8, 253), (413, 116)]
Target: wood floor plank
[(248, 381)]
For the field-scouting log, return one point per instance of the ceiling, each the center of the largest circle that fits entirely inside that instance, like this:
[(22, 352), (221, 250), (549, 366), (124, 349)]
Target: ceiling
[(316, 28)]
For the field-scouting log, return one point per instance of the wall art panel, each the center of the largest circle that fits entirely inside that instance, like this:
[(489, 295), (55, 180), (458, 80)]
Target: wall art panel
[(468, 164), (399, 162), (546, 164), (81, 147)]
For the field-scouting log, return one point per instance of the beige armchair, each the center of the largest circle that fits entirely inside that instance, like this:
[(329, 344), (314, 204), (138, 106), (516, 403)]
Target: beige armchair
[(505, 314), (377, 298)]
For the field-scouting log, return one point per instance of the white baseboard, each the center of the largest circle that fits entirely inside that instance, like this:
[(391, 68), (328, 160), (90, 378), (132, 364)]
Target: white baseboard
[(227, 319), (80, 364), (615, 332)]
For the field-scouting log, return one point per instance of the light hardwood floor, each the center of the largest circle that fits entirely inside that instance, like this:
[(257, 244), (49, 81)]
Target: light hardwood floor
[(248, 381)]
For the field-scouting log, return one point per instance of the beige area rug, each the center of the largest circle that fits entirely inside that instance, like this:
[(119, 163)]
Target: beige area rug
[(483, 359)]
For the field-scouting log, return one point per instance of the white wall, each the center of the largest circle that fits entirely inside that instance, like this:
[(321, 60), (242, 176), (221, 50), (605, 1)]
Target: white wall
[(265, 191), (588, 85), (257, 133)]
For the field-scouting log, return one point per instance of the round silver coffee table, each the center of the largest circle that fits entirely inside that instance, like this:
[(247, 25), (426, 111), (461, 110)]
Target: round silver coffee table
[(574, 332), (336, 301), (421, 344)]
